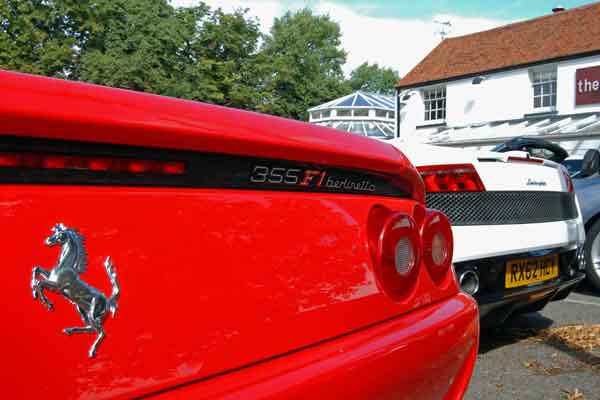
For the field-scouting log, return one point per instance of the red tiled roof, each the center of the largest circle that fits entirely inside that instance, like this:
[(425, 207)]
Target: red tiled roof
[(562, 34)]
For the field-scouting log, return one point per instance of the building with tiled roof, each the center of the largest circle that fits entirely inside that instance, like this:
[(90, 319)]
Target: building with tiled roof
[(536, 77)]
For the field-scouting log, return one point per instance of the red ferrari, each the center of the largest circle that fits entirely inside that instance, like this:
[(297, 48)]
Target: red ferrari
[(161, 248)]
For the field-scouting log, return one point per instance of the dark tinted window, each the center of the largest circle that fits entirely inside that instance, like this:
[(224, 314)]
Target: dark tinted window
[(573, 166)]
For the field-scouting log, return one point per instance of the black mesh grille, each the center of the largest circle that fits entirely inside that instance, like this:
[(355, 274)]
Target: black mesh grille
[(500, 208)]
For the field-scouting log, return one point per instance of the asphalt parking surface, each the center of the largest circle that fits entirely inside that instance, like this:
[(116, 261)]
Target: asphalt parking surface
[(514, 362)]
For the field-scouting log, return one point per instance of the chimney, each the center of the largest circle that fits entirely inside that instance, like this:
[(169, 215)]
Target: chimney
[(558, 9)]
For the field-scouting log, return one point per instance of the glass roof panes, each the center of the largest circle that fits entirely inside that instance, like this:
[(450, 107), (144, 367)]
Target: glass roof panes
[(374, 130), (361, 102), (381, 100), (346, 103), (378, 134), (591, 127), (344, 126), (357, 127), (352, 114), (497, 131), (360, 99), (387, 129)]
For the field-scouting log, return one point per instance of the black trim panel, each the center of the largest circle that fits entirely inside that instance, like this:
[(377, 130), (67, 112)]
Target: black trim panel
[(203, 170), (504, 207)]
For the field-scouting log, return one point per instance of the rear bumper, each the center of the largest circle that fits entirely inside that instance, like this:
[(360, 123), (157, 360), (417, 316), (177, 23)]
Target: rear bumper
[(528, 298), (496, 303), (516, 238), (426, 354)]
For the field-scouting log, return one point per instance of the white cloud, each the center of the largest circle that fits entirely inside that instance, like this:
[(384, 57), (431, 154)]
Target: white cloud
[(390, 42)]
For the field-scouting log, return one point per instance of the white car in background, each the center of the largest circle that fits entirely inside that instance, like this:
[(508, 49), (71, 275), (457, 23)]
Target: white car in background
[(518, 232)]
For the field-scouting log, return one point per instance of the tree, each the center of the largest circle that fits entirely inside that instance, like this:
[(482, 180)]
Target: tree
[(224, 56), (372, 78), (144, 45), (34, 38), (304, 64), (193, 53)]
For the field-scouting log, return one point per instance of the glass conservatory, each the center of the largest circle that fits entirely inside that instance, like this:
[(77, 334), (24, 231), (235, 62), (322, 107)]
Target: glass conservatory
[(361, 113)]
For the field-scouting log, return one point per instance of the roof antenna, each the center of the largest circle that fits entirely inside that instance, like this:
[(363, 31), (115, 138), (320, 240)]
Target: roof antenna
[(444, 28)]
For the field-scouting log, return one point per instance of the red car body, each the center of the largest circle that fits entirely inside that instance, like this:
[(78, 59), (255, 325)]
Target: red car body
[(228, 289)]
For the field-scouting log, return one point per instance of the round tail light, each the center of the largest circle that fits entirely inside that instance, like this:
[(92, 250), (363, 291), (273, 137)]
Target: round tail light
[(397, 254), (437, 245), (405, 256), (439, 249)]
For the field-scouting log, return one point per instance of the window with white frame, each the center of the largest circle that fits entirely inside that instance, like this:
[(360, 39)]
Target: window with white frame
[(435, 104), (544, 89)]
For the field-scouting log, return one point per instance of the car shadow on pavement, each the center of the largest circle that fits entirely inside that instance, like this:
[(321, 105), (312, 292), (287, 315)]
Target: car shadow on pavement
[(516, 329), (587, 289)]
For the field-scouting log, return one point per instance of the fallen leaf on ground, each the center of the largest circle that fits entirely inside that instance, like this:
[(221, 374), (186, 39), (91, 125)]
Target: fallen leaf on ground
[(573, 395), (581, 337)]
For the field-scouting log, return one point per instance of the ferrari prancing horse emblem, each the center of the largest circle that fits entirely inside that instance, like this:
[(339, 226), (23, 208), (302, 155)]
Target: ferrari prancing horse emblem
[(64, 278)]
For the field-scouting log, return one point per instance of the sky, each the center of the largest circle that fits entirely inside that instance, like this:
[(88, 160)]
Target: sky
[(396, 33)]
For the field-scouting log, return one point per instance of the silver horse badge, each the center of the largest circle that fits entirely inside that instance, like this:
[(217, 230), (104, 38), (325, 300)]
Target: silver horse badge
[(64, 278)]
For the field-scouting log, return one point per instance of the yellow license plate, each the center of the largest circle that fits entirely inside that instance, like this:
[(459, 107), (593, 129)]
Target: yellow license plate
[(526, 271)]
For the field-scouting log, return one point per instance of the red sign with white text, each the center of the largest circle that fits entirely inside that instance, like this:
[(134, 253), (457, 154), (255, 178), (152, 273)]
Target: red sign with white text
[(587, 86)]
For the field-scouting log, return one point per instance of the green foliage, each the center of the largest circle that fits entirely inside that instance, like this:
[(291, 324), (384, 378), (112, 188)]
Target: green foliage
[(225, 53), (194, 53), (136, 48), (34, 38), (372, 78), (144, 45), (305, 60)]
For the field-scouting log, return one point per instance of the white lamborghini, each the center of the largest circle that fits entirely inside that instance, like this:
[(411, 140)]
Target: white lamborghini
[(517, 227)]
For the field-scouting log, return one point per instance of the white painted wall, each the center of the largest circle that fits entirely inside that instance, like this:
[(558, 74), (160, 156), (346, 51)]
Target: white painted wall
[(502, 96)]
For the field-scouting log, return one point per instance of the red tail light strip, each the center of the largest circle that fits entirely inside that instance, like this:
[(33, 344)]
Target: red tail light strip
[(526, 159), (451, 178), (568, 180), (57, 162), (65, 162)]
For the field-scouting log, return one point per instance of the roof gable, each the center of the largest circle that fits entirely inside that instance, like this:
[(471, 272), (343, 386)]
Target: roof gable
[(563, 34)]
